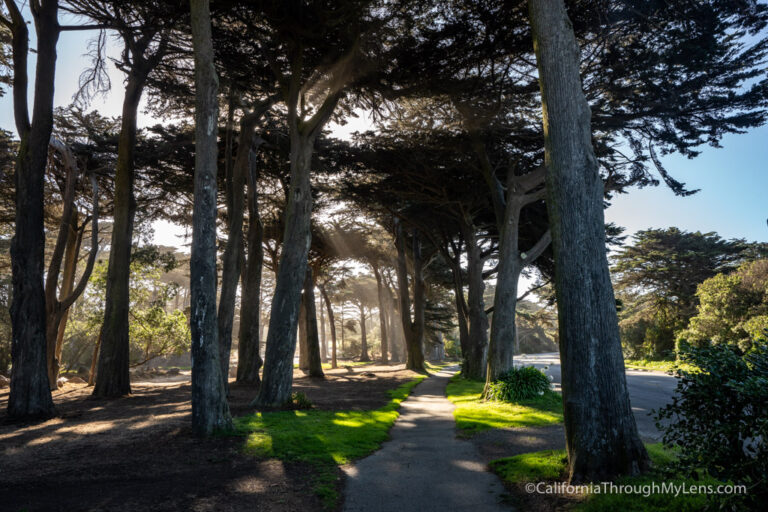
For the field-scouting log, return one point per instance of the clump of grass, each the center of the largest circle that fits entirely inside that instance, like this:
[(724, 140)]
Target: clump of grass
[(473, 414), (324, 439)]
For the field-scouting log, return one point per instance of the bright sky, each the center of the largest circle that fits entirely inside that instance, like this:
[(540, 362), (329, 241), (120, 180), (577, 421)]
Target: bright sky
[(733, 200)]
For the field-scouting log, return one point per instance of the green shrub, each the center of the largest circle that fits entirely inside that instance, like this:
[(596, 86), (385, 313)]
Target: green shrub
[(300, 401), (519, 384), (719, 418)]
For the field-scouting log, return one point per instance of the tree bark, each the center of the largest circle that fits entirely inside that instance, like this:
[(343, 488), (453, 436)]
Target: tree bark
[(302, 335), (67, 249), (382, 315), (248, 358), (601, 435), (236, 180), (94, 359), (364, 357), (113, 378), (231, 261), (210, 411), (477, 341), (501, 348), (323, 337), (283, 321), (314, 361), (413, 329), (30, 395), (331, 325)]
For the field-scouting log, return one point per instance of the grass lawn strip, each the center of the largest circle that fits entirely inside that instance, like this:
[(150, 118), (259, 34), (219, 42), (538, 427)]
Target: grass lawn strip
[(550, 465), (475, 415), (324, 439)]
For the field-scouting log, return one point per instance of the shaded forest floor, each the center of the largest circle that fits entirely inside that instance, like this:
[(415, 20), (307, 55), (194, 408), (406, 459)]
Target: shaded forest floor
[(138, 452)]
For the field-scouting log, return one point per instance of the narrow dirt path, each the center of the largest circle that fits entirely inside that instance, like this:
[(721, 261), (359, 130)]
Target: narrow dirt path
[(424, 467)]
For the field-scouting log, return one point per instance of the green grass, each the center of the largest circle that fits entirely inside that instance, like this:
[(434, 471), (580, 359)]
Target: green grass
[(437, 367), (551, 464), (324, 439), (662, 366), (531, 467), (474, 414)]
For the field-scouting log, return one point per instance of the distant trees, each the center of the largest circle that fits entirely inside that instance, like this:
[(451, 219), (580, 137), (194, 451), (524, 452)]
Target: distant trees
[(657, 278), (733, 308)]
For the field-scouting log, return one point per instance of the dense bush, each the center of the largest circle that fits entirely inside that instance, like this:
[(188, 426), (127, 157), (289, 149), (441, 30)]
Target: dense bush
[(719, 418), (518, 384)]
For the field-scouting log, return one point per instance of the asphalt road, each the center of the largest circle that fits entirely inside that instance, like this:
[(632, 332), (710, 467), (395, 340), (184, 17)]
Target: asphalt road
[(647, 390)]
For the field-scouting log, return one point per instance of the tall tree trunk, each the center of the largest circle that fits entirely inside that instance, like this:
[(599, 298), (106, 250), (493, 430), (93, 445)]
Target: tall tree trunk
[(331, 324), (56, 320), (236, 180), (283, 321), (30, 395), (395, 326), (382, 315), (413, 329), (210, 410), (302, 335), (94, 359), (67, 249), (314, 361), (323, 337), (66, 239), (364, 357), (501, 350), (601, 435), (231, 261), (113, 378), (477, 342), (248, 358)]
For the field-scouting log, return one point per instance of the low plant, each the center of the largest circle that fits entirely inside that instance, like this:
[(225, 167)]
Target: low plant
[(523, 383), (719, 419), (300, 401)]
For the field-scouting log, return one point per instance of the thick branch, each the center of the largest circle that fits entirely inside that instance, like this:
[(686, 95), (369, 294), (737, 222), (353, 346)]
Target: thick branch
[(68, 301), (537, 248)]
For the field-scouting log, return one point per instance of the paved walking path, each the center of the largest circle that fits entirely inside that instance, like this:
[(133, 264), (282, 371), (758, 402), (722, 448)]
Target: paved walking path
[(423, 467)]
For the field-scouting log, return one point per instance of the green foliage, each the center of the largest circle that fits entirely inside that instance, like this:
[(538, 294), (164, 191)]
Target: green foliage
[(452, 348), (300, 401), (155, 329), (324, 439), (719, 417), (657, 279), (473, 414), (522, 383), (733, 308)]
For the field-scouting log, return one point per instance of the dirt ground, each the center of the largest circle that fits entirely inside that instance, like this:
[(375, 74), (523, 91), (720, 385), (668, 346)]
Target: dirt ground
[(138, 452)]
